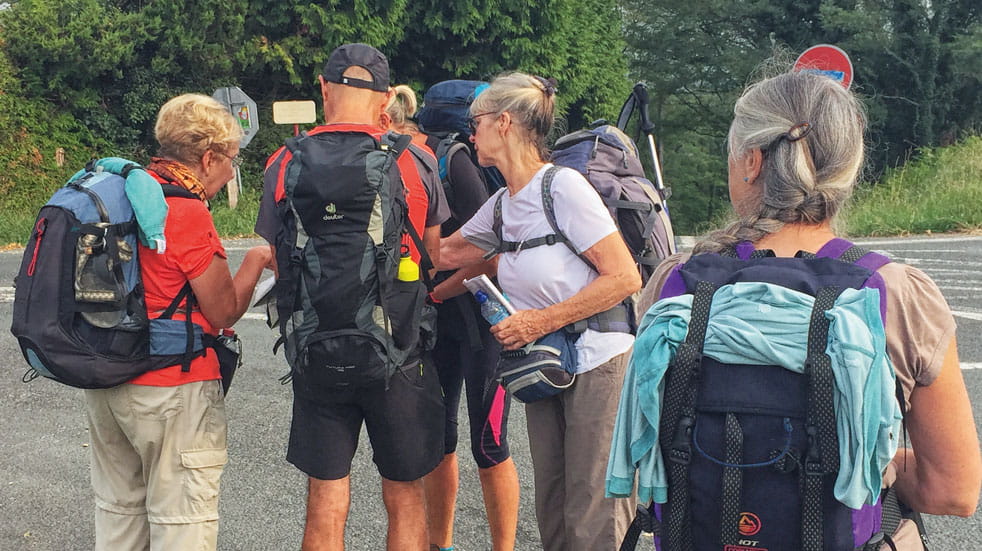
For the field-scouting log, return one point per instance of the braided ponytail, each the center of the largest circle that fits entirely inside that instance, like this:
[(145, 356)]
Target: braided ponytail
[(809, 130)]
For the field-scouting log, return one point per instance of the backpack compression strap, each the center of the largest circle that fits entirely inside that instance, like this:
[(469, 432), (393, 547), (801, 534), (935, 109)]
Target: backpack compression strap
[(187, 296), (678, 419), (822, 456)]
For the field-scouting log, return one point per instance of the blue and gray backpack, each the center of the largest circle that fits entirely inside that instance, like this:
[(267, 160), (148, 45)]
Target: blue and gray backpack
[(752, 452), (79, 312), (609, 160)]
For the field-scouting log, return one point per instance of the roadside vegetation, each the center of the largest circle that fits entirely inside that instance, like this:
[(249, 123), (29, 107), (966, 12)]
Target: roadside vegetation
[(940, 190), (71, 90)]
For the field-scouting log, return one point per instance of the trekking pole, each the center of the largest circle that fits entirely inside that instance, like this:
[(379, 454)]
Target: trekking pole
[(627, 111), (640, 94), (638, 100)]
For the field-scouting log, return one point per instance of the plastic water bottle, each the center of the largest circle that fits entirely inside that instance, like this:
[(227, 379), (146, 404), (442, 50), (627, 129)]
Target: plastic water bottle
[(491, 309)]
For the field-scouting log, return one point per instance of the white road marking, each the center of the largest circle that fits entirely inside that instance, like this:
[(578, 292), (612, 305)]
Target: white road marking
[(897, 242), (946, 288), (7, 295), (942, 261), (952, 271), (254, 316), (928, 251)]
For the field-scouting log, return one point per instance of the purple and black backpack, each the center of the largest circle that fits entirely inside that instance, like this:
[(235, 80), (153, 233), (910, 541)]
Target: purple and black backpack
[(739, 477)]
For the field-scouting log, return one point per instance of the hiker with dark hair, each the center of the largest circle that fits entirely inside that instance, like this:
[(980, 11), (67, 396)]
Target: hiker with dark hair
[(572, 286), (465, 352), (354, 225), (169, 424), (795, 153)]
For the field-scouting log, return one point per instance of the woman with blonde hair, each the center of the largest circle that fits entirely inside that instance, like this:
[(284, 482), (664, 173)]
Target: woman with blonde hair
[(159, 441), (579, 272), (459, 361)]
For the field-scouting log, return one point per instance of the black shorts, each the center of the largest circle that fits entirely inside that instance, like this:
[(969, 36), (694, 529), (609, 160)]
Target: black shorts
[(405, 427), (460, 363)]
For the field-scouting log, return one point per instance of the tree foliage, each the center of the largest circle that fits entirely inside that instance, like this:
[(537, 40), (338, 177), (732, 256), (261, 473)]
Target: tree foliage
[(916, 66), (112, 63)]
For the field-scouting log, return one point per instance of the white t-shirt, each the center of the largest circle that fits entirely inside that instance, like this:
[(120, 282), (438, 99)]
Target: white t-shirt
[(548, 274)]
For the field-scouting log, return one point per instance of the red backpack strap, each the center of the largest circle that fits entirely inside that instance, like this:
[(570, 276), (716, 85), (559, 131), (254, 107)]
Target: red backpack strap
[(276, 168)]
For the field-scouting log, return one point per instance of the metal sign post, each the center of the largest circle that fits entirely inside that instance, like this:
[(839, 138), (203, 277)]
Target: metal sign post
[(244, 109)]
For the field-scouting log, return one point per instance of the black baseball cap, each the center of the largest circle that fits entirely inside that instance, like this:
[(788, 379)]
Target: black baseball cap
[(360, 55)]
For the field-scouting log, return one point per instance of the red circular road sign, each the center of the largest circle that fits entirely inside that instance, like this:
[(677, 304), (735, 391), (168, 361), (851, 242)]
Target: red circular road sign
[(827, 60)]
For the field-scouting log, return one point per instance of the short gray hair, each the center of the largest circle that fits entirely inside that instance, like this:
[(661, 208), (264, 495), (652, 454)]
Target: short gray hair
[(810, 131)]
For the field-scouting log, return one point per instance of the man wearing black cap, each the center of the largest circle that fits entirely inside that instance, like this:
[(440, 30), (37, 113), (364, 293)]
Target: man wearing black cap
[(404, 413)]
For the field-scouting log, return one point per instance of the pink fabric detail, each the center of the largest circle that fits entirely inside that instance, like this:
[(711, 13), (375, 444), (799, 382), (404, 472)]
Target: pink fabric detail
[(497, 413)]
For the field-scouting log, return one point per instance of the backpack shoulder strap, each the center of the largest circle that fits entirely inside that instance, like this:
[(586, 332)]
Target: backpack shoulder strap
[(847, 251), (549, 208), (496, 227), (396, 143), (174, 190), (445, 150), (551, 239), (822, 454), (448, 146), (678, 416)]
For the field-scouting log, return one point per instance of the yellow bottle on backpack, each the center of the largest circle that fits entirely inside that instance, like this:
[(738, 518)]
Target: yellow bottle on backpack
[(408, 269)]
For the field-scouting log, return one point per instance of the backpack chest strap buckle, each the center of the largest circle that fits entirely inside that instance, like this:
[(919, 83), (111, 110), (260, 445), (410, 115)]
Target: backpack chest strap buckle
[(681, 449)]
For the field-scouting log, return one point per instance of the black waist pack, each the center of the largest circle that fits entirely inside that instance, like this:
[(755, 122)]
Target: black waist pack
[(540, 369)]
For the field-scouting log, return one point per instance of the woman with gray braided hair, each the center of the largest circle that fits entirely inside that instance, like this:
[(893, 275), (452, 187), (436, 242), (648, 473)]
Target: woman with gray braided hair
[(795, 153), (570, 286)]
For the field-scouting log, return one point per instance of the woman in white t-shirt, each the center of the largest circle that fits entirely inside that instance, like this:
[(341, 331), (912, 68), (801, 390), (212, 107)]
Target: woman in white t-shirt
[(552, 287)]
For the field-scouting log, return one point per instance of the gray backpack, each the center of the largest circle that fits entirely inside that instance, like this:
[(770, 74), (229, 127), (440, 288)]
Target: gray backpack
[(609, 160)]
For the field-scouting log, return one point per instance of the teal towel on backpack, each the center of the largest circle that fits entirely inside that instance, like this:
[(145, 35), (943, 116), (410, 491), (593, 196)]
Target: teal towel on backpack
[(744, 329), (146, 198)]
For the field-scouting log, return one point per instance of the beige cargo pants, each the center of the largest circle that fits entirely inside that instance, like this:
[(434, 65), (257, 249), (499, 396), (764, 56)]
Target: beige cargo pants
[(157, 457)]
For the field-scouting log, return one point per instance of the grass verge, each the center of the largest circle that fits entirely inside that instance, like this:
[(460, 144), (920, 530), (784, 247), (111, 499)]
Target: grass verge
[(939, 191)]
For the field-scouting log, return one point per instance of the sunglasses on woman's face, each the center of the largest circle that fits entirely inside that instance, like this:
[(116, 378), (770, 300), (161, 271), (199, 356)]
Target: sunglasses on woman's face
[(472, 122)]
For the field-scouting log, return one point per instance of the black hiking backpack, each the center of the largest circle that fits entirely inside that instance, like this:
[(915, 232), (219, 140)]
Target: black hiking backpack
[(79, 312), (346, 320)]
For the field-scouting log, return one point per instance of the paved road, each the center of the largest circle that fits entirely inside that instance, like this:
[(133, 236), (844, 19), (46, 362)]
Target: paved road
[(46, 503)]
